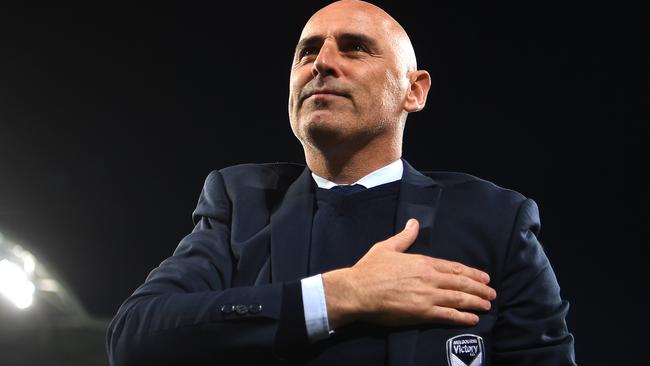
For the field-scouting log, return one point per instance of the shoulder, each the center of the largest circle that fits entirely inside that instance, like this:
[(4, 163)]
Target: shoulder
[(245, 183), (476, 192), (255, 176), (467, 183)]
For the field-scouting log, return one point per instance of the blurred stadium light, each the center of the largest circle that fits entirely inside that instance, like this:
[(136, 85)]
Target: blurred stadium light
[(41, 321)]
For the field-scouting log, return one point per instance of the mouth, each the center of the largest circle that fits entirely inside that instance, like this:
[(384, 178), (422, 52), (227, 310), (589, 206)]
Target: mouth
[(325, 93)]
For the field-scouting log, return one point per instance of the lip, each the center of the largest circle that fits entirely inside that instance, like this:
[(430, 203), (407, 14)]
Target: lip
[(325, 94)]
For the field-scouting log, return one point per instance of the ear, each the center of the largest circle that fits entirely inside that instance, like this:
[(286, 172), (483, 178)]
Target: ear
[(416, 98)]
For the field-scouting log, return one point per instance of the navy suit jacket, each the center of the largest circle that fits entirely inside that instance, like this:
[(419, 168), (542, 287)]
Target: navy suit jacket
[(220, 296)]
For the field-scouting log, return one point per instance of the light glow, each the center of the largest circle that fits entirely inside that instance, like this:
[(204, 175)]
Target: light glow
[(29, 263), (15, 284)]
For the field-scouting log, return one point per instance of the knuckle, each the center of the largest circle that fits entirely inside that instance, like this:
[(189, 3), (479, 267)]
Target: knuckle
[(451, 314), (456, 268), (458, 282), (429, 260), (413, 307), (422, 260), (459, 299), (464, 283), (420, 307), (420, 264), (420, 279), (426, 279), (483, 291), (375, 248), (438, 265)]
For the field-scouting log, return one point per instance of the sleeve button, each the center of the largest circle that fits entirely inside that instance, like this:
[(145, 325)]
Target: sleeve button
[(227, 309), (241, 309), (254, 308)]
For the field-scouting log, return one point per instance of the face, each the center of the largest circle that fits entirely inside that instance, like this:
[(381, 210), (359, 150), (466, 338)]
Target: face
[(348, 82)]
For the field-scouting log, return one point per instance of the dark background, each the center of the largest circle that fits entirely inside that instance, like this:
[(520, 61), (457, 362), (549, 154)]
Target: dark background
[(112, 116)]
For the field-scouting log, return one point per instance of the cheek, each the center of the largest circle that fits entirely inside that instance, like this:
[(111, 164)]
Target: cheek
[(393, 92), (384, 88), (297, 80), (293, 92), (294, 88)]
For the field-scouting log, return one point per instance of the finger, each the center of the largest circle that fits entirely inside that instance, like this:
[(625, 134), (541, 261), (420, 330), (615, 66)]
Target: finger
[(464, 284), (403, 240), (460, 300), (442, 265), (445, 315)]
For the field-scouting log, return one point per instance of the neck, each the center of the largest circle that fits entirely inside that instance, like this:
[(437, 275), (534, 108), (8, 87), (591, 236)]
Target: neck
[(347, 167)]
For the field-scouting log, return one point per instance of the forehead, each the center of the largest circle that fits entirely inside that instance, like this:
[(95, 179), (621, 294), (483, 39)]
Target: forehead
[(338, 20)]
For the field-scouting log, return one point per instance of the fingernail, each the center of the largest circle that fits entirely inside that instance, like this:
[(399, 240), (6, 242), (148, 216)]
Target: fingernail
[(486, 277), (409, 224)]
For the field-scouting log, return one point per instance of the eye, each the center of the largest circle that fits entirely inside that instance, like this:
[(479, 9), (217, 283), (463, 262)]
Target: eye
[(356, 47), (307, 51)]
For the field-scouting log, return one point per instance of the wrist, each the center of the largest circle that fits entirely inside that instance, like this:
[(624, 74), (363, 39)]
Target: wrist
[(340, 297)]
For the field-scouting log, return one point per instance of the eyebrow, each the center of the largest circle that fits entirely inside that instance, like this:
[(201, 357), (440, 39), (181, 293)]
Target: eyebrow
[(346, 37)]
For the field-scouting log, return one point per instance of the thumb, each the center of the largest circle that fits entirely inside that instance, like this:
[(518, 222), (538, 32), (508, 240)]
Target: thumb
[(403, 240)]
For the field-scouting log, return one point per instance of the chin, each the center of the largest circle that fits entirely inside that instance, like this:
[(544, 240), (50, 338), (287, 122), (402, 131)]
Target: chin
[(330, 135), (325, 120)]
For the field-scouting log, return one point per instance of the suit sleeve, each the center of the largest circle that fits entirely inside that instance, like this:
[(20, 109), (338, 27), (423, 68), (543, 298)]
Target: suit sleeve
[(187, 313), (531, 328)]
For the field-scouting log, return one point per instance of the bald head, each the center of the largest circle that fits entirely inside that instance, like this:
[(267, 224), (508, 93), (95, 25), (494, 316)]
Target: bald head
[(363, 12), (353, 82)]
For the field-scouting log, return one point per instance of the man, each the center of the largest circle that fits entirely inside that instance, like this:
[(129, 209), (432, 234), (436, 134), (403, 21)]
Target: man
[(388, 267)]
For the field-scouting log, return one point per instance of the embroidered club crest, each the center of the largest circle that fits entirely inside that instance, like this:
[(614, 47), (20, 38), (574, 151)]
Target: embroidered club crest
[(465, 350)]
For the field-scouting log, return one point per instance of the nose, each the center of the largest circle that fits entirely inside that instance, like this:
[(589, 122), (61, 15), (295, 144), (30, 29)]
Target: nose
[(327, 61)]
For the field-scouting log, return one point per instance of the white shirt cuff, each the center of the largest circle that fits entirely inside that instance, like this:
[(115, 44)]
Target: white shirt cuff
[(313, 301)]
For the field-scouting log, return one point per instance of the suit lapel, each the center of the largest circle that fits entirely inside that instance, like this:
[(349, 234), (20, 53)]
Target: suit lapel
[(291, 231), (418, 198)]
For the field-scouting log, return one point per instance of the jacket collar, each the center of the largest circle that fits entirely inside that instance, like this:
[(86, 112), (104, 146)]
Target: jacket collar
[(291, 231), (292, 219)]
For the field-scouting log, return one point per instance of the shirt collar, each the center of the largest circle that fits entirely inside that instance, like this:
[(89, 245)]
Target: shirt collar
[(389, 173)]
